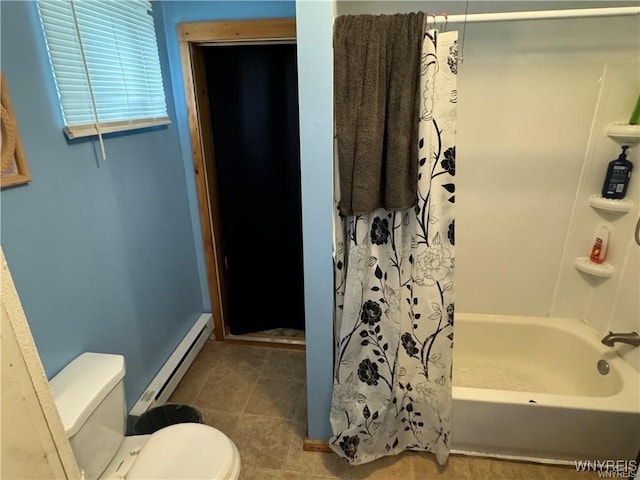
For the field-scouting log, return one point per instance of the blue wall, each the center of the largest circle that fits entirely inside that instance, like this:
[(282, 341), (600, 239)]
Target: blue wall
[(315, 83), (102, 252), (172, 13)]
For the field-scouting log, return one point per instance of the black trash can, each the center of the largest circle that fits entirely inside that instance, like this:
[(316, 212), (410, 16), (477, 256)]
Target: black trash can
[(165, 415)]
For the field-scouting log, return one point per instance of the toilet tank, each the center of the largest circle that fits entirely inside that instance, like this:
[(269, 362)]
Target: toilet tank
[(89, 395)]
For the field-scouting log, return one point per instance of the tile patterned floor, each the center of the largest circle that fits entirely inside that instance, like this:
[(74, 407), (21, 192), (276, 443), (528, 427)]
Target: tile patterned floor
[(257, 397)]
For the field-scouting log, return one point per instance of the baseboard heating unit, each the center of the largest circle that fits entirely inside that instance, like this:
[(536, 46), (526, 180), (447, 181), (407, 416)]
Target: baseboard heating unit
[(169, 376)]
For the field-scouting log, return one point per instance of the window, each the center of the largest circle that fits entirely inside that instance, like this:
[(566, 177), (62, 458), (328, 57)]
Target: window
[(105, 62)]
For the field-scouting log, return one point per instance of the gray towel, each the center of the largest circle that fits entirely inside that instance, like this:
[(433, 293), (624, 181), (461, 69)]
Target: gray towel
[(376, 98)]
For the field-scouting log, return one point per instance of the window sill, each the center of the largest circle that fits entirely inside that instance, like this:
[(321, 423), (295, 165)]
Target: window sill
[(80, 131)]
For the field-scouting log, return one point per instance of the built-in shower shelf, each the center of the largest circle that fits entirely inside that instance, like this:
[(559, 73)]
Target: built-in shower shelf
[(623, 133), (604, 270), (610, 205)]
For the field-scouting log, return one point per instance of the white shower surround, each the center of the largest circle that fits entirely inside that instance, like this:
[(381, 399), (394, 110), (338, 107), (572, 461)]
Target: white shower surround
[(534, 99), (503, 363)]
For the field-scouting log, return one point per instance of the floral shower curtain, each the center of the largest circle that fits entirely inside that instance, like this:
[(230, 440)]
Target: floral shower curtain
[(394, 295)]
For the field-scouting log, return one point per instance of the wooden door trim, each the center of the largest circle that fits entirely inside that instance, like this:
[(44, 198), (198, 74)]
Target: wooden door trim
[(239, 30), (191, 36), (198, 153)]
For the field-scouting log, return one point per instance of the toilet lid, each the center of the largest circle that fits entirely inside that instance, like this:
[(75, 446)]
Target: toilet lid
[(185, 450)]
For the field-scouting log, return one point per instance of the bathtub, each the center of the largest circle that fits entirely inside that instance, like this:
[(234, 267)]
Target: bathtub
[(529, 388)]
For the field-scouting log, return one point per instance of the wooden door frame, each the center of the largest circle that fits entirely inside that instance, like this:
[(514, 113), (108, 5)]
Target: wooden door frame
[(192, 37)]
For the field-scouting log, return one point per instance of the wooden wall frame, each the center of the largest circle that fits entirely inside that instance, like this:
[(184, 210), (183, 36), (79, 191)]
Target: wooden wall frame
[(34, 443), (192, 38), (15, 170)]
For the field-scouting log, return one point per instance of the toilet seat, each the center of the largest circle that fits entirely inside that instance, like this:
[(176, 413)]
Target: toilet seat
[(187, 450)]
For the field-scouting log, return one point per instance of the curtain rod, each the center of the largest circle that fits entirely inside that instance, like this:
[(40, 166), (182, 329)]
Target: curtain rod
[(533, 15)]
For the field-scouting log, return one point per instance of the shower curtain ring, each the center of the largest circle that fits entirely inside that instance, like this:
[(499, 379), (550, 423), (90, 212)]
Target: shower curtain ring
[(433, 15), (446, 21)]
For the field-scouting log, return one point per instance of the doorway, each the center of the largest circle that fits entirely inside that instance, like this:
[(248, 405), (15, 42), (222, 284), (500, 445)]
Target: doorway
[(254, 115), (241, 88)]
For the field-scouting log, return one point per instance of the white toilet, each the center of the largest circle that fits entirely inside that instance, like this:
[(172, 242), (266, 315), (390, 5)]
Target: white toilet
[(89, 394)]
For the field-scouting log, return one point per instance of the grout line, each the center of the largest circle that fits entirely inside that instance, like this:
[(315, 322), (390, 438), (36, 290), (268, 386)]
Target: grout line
[(285, 462), (251, 392), (265, 362), (201, 384)]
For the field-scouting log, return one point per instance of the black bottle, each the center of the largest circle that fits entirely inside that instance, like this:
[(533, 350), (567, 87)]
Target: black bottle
[(618, 176)]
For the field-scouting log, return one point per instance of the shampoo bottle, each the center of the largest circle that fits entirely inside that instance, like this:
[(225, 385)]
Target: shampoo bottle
[(618, 176), (600, 244)]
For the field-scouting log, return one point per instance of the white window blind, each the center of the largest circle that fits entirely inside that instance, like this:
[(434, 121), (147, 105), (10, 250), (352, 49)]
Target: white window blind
[(104, 57)]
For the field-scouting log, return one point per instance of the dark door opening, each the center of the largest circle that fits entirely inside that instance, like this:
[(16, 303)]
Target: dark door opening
[(253, 97)]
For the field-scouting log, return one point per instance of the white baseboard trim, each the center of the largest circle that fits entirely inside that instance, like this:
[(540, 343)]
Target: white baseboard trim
[(169, 376)]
